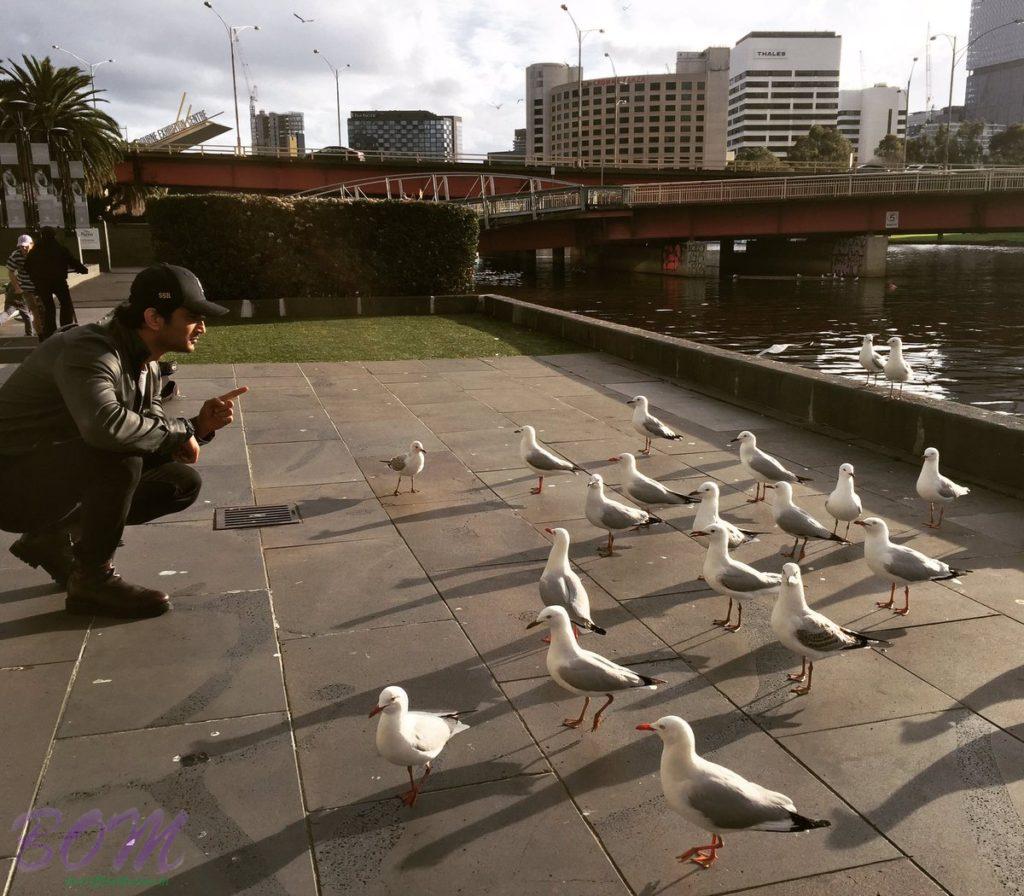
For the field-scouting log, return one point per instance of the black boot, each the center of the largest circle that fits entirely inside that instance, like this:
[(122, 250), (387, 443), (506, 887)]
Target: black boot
[(101, 591), (50, 550)]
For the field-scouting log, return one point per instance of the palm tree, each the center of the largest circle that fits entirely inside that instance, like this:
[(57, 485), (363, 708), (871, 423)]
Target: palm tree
[(62, 97)]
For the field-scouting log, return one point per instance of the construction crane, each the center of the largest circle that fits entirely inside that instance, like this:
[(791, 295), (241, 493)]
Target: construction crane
[(928, 70), (250, 89)]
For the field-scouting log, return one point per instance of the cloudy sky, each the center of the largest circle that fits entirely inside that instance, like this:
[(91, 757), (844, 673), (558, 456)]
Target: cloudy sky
[(451, 57)]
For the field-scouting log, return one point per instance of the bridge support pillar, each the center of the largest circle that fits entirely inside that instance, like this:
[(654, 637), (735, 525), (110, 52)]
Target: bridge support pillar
[(674, 258), (846, 256)]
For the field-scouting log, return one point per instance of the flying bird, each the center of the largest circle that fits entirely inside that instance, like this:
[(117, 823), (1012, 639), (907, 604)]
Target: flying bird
[(409, 465), (496, 105), (582, 671), (542, 460), (715, 798), (761, 466), (808, 633), (412, 739), (649, 426), (900, 565), (935, 488), (304, 21)]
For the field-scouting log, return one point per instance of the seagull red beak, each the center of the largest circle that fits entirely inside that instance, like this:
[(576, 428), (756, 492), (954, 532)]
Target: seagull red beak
[(645, 726), (697, 534), (374, 711), (550, 531), (858, 523), (613, 459)]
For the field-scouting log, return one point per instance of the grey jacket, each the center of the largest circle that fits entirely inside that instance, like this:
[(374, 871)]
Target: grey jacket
[(83, 383)]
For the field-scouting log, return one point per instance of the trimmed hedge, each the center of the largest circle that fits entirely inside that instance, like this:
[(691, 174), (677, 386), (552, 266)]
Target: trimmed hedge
[(244, 246)]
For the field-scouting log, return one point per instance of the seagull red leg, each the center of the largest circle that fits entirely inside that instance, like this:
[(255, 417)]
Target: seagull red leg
[(539, 488), (413, 489), (397, 487), (575, 723), (409, 797), (803, 671), (728, 616), (739, 619), (597, 715), (805, 689), (892, 598), (902, 611)]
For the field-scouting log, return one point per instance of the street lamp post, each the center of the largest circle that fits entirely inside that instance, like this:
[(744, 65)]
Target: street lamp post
[(233, 32), (92, 66), (954, 59), (615, 74), (906, 118), (580, 34), (337, 89)]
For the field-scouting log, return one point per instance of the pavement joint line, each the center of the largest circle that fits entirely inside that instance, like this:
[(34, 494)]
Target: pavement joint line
[(248, 715), (299, 781), (49, 753)]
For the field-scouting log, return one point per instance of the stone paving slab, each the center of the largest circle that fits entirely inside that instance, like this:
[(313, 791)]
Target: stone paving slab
[(433, 591), (506, 838)]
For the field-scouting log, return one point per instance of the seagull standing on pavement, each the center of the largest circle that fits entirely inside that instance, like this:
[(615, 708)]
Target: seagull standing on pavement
[(896, 369), (807, 633), (870, 360), (541, 460), (715, 798), (582, 671), (410, 465), (561, 587), (644, 490), (844, 503), (412, 739), (900, 565), (604, 513), (798, 522), (707, 515), (935, 488), (761, 466), (731, 578), (649, 426)]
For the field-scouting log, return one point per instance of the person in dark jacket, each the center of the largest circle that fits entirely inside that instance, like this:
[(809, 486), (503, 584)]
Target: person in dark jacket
[(85, 443), (48, 265)]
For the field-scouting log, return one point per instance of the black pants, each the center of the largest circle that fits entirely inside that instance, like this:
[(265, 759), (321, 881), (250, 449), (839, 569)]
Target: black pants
[(99, 491), (46, 292)]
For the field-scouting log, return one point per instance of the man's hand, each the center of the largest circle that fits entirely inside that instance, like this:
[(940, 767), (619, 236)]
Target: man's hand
[(217, 413), (188, 453)]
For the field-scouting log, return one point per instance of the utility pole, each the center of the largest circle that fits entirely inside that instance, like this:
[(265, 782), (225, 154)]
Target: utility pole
[(337, 88), (579, 81), (233, 32), (906, 119)]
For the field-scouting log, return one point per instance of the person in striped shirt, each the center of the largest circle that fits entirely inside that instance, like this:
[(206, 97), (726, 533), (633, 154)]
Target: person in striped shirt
[(21, 291)]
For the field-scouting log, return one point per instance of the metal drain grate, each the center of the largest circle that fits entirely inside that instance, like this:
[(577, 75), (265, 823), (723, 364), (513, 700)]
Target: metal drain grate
[(256, 517)]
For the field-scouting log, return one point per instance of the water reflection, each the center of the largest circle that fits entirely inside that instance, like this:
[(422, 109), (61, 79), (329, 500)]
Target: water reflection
[(959, 311)]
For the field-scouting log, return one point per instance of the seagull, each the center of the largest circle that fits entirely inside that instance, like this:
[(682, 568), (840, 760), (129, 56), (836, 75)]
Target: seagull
[(412, 738), (896, 370), (807, 633), (761, 466), (900, 565), (715, 798), (649, 426), (561, 587), (539, 458), (798, 522), (496, 105), (304, 21), (582, 671), (707, 515), (730, 577), (844, 503), (409, 465), (935, 488), (644, 490), (870, 360), (604, 513)]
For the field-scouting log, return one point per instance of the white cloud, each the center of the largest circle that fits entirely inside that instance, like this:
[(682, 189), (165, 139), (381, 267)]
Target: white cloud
[(457, 57)]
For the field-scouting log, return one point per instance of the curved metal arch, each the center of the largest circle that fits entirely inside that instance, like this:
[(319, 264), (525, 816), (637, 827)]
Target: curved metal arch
[(439, 186)]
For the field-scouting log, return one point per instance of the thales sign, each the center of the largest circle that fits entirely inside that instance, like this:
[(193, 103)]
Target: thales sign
[(771, 54)]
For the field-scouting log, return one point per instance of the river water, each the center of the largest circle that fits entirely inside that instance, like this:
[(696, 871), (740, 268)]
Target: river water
[(958, 309)]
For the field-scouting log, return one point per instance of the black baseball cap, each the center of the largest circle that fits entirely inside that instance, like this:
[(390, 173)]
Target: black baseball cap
[(171, 286)]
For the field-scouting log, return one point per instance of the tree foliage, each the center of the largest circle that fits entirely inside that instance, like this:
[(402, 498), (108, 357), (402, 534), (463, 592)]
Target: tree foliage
[(61, 97), (889, 150), (821, 144), (1007, 148), (757, 157), (964, 146)]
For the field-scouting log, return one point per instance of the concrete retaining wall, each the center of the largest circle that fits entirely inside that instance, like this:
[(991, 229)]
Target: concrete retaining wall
[(978, 446)]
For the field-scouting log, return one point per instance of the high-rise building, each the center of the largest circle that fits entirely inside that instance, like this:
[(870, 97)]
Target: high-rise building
[(516, 154), (281, 133), (995, 62), (781, 83), (403, 131), (867, 116), (675, 119)]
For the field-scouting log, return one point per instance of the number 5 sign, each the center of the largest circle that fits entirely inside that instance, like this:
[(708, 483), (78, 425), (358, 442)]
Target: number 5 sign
[(892, 220)]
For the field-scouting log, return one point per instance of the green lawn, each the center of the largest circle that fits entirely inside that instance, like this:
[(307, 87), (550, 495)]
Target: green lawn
[(962, 239), (370, 339)]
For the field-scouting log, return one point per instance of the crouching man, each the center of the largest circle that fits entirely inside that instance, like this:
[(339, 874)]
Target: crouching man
[(86, 448)]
